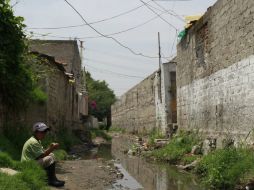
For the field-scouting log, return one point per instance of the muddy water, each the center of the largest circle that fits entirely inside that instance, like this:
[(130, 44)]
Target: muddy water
[(150, 176), (139, 174)]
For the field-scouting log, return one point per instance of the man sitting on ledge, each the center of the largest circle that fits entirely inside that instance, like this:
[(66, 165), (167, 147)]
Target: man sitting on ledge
[(33, 150)]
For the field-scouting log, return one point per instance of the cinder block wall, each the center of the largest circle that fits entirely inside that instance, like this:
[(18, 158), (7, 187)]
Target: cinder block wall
[(135, 110), (215, 71)]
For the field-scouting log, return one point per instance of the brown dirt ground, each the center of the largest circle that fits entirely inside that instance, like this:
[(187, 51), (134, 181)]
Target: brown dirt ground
[(86, 174)]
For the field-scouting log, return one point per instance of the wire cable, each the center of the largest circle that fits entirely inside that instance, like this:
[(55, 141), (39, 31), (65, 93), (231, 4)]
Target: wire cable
[(175, 15), (111, 34), (158, 15), (111, 72), (123, 31), (91, 23), (109, 37)]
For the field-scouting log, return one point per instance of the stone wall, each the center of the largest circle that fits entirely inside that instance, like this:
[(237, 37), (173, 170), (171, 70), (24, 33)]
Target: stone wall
[(215, 71), (150, 104), (135, 110), (59, 111)]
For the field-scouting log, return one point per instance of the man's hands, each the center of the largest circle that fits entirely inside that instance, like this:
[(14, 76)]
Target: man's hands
[(53, 146), (50, 149)]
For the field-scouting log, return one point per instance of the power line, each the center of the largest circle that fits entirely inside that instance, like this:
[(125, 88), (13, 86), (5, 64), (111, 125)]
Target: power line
[(176, 15), (78, 38), (109, 37), (158, 15), (17, 2), (113, 64), (173, 44), (91, 23), (114, 54), (176, 30), (115, 73), (115, 33), (110, 64), (123, 31)]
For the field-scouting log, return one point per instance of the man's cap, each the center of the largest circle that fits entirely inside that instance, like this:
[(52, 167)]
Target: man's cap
[(39, 126)]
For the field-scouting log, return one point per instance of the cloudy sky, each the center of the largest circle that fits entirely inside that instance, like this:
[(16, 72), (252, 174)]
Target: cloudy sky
[(130, 27)]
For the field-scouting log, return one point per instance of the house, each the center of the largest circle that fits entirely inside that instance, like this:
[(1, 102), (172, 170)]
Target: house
[(66, 103)]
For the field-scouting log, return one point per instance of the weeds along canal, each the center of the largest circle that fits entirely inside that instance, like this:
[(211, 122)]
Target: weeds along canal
[(138, 173)]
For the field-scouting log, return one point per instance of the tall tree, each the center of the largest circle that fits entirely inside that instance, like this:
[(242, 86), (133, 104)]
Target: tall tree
[(101, 97), (15, 78)]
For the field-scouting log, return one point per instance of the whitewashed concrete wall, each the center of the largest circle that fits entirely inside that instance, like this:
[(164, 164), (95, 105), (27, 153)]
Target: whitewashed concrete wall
[(222, 102), (163, 97)]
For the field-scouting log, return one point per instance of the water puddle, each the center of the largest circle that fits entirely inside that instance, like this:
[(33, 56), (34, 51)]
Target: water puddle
[(127, 182)]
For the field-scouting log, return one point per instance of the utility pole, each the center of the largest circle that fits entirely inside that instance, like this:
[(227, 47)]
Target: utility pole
[(81, 51), (159, 72), (159, 45), (83, 82)]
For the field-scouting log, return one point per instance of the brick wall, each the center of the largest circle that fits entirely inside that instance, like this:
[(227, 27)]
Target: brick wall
[(148, 105), (215, 71), (135, 110), (60, 110)]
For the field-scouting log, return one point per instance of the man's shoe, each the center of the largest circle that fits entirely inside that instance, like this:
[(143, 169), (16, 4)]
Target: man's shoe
[(56, 183)]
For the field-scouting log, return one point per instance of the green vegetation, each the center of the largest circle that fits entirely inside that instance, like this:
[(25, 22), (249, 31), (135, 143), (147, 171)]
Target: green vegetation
[(223, 169), (101, 97), (60, 154), (220, 169), (30, 176), (100, 133), (65, 138), (18, 134), (39, 96), (177, 148), (16, 83), (117, 129), (155, 134)]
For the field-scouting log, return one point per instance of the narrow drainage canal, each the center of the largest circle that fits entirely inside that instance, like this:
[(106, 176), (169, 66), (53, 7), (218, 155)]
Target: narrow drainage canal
[(139, 174)]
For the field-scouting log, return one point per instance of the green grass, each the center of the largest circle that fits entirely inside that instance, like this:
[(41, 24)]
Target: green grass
[(175, 150), (223, 169), (188, 158), (7, 146), (155, 134), (31, 176), (60, 154), (18, 135), (39, 96), (117, 129), (100, 133)]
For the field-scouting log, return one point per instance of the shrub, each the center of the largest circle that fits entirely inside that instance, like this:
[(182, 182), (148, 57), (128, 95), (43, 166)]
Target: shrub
[(177, 147), (99, 133), (7, 146), (39, 96), (6, 161), (60, 154), (65, 138), (223, 169), (155, 134)]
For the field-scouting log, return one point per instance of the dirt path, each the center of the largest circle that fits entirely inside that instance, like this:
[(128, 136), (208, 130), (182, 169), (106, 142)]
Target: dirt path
[(86, 174)]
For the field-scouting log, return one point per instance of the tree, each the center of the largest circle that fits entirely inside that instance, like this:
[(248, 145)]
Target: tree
[(101, 97), (16, 83)]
